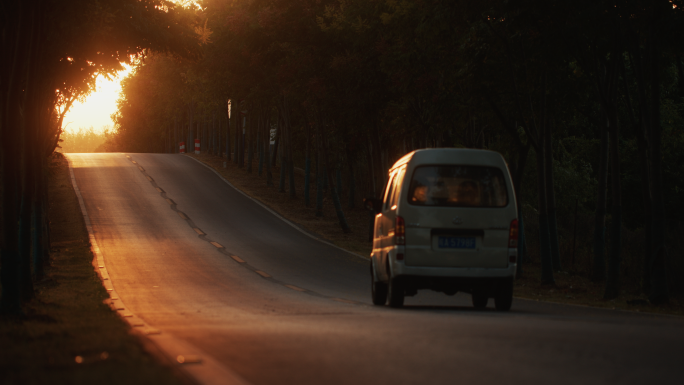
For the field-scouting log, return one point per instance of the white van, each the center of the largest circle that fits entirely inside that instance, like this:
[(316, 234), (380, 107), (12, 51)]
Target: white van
[(448, 222)]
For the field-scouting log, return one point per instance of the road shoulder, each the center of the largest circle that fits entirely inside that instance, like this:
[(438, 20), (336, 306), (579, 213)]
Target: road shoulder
[(69, 334)]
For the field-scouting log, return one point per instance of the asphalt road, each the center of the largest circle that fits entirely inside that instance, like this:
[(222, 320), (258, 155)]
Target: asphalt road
[(290, 309)]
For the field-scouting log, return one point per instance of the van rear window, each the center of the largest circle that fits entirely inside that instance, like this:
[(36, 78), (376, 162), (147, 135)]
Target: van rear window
[(458, 186)]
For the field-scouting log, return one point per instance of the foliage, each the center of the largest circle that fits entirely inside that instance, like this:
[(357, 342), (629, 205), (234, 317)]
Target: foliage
[(53, 52), (83, 140), (356, 84)]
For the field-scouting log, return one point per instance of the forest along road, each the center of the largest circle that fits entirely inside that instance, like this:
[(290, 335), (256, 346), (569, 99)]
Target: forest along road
[(298, 311)]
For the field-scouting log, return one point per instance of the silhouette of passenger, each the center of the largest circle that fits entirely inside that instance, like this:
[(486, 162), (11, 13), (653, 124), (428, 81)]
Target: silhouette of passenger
[(420, 191), (419, 194)]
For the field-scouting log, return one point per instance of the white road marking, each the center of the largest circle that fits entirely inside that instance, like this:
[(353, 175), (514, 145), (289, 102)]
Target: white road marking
[(293, 287), (210, 371), (343, 300), (276, 214)]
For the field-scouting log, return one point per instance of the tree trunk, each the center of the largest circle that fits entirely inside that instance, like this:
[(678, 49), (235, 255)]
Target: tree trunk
[(37, 240), (319, 175), (44, 204), (544, 242), (27, 197), (659, 291), (373, 186), (523, 152), (12, 123), (213, 133), (351, 199), (36, 227), (642, 134), (551, 200), (290, 161), (218, 135), (229, 158), (381, 171), (10, 271), (307, 171), (371, 170), (267, 144), (283, 159), (250, 145), (338, 180), (274, 155), (290, 172), (283, 172), (680, 75), (243, 138), (202, 133), (190, 143), (647, 201), (286, 120), (261, 132), (26, 278), (336, 194), (235, 124), (175, 135), (613, 276), (10, 258), (599, 271)]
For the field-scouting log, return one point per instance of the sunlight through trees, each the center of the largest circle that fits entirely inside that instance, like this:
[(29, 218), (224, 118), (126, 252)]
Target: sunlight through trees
[(53, 52), (583, 98)]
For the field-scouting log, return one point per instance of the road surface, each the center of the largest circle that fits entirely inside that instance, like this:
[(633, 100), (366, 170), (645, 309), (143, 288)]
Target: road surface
[(220, 276)]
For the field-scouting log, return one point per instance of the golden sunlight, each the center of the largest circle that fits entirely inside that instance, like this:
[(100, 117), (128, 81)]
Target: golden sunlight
[(95, 111)]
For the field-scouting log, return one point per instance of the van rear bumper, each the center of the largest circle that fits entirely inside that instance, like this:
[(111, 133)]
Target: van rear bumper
[(399, 269)]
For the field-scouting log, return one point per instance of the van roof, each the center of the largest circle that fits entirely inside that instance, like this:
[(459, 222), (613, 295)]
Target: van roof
[(452, 156)]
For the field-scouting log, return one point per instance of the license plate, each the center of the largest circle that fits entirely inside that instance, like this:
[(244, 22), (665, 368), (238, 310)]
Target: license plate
[(456, 242)]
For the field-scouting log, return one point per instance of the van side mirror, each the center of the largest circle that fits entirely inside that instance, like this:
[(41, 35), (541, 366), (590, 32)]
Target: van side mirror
[(373, 204)]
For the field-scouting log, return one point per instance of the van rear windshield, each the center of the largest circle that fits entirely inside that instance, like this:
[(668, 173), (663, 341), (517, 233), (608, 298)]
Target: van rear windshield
[(458, 186)]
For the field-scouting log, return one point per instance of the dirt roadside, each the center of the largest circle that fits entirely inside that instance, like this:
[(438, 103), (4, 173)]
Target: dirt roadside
[(570, 288), (69, 336)]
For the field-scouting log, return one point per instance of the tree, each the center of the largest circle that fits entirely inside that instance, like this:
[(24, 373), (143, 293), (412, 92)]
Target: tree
[(363, 82), (54, 51)]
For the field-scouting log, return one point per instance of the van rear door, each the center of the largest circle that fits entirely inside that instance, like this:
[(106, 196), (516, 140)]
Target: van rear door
[(457, 216)]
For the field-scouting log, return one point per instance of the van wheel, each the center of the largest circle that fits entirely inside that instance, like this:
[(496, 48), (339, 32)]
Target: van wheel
[(378, 289), (396, 292), (504, 295), (479, 300)]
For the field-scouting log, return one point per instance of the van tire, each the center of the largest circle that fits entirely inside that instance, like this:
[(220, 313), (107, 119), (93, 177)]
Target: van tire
[(378, 289), (396, 292), (504, 295), (479, 300)]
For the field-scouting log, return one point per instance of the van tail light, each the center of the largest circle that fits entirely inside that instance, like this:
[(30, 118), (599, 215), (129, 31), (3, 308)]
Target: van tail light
[(513, 242), (400, 231), (513, 235)]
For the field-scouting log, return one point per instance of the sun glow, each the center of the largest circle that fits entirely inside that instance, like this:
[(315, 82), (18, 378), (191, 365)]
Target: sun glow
[(95, 111)]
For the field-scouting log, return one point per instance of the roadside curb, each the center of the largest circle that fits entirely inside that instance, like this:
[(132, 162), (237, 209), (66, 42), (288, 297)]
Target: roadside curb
[(202, 368)]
